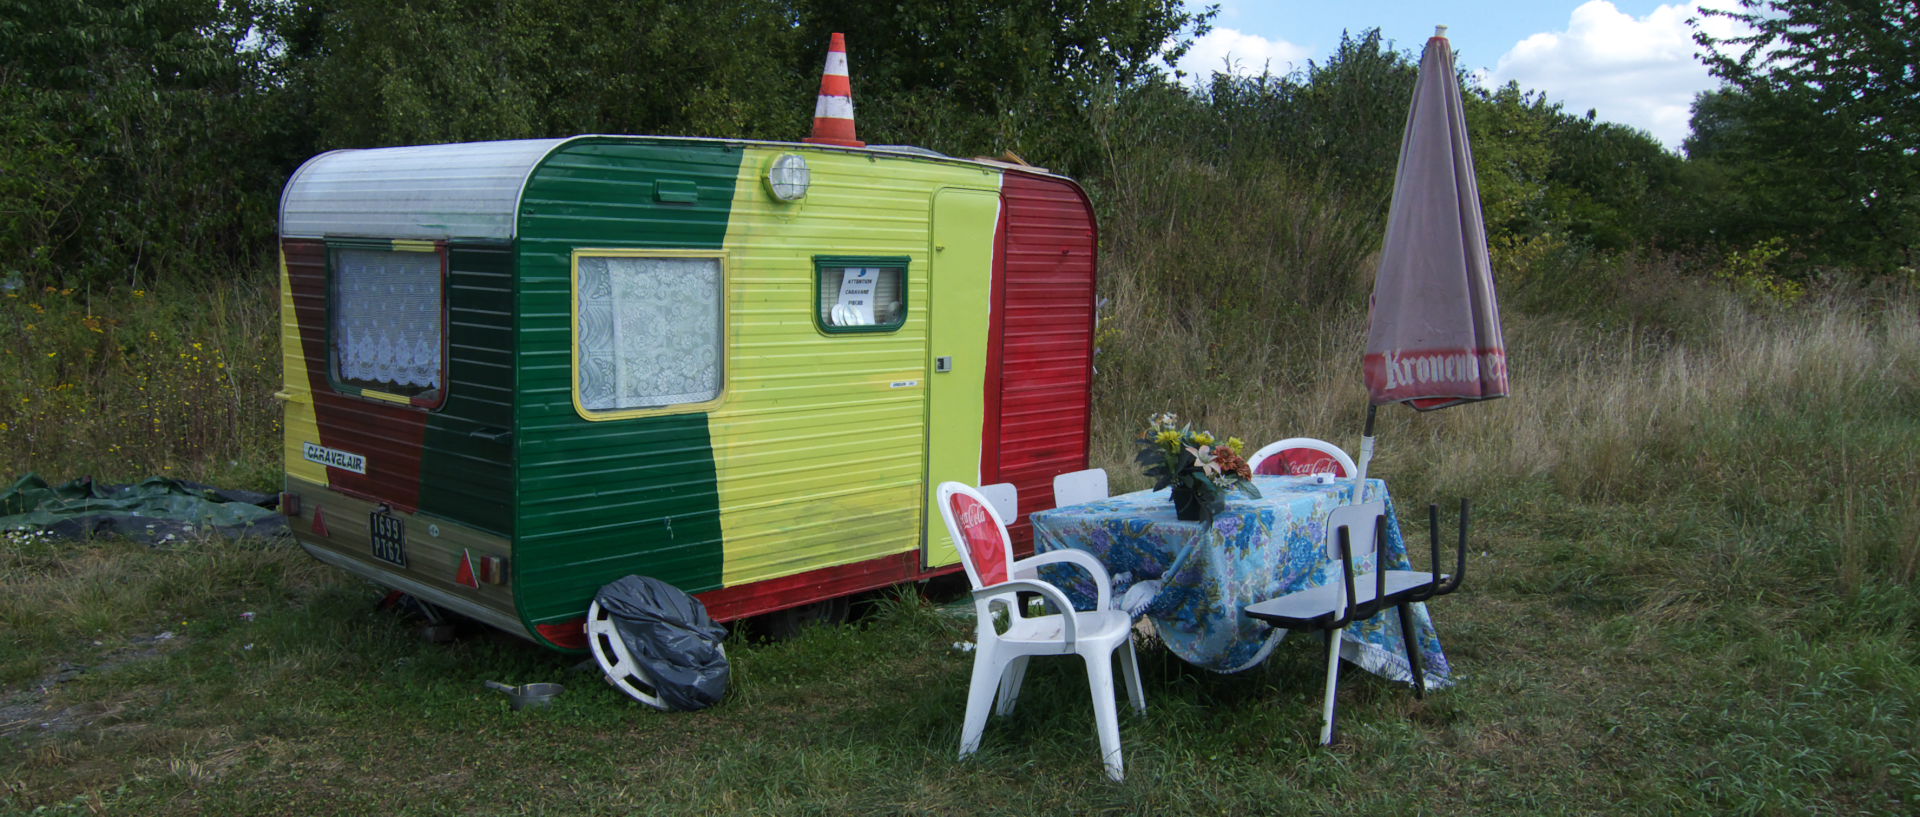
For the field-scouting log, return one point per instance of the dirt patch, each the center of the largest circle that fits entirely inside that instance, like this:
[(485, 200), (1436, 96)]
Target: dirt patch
[(36, 710)]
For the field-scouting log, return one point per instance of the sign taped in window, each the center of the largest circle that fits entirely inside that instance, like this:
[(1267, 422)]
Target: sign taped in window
[(861, 294)]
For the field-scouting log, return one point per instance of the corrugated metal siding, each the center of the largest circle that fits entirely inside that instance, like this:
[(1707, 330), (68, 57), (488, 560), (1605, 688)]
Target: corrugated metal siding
[(1046, 339), (421, 192), (820, 442), (467, 474), (389, 436), (419, 460), (599, 500), (298, 425)]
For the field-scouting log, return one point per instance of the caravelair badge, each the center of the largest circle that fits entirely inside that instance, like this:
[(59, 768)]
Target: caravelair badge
[(335, 458)]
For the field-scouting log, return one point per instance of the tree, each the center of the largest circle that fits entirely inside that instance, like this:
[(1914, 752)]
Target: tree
[(375, 73), (1831, 87), (983, 76), (135, 136)]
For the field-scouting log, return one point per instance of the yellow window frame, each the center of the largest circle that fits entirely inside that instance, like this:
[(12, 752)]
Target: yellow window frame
[(573, 335)]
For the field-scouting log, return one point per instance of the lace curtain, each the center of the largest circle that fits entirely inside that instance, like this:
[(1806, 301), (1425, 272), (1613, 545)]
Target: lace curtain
[(386, 318), (650, 332)]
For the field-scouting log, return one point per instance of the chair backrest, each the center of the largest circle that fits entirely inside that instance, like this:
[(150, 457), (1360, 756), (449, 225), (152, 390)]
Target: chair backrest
[(1075, 487), (1359, 520), (979, 535), (1005, 499), (1300, 456)]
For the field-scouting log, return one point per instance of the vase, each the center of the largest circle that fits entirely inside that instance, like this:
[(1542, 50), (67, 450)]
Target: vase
[(1190, 505)]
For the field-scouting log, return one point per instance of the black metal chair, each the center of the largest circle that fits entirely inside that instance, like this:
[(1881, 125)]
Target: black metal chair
[(1355, 531)]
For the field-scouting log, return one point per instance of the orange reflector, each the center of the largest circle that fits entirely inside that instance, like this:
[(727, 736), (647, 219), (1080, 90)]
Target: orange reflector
[(493, 570)]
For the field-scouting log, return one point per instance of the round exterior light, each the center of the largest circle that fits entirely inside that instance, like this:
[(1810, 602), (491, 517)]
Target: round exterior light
[(788, 177)]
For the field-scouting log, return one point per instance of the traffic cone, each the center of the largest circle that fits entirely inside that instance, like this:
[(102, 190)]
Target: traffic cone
[(833, 113)]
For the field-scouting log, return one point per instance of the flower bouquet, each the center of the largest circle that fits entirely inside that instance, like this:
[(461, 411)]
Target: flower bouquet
[(1200, 467)]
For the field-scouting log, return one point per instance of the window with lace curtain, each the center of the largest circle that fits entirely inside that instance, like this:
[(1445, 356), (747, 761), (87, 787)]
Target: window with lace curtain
[(648, 331), (385, 323)]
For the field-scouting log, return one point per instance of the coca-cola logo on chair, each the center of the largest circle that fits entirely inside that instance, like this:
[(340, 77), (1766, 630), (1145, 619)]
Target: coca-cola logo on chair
[(985, 548), (1300, 462)]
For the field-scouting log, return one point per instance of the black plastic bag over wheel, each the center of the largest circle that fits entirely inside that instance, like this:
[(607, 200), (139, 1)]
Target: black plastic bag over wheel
[(669, 635)]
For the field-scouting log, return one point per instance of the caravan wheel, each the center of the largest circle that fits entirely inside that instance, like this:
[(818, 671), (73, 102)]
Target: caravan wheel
[(611, 653), (782, 625)]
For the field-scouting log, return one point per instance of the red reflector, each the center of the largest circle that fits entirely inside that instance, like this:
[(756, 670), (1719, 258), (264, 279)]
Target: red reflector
[(289, 503), (571, 634), (320, 521), (464, 577)]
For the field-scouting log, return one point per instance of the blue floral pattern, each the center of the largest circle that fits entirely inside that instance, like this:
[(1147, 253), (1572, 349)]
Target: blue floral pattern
[(1256, 549)]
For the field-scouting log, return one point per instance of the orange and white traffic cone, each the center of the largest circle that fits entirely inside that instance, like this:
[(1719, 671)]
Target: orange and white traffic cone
[(833, 113)]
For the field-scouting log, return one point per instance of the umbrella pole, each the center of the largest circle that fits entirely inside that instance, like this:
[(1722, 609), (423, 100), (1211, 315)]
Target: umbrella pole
[(1366, 454)]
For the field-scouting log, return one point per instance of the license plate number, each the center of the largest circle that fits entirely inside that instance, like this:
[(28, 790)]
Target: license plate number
[(389, 538)]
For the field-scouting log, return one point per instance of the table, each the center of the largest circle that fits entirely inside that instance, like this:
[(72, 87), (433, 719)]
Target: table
[(1192, 579)]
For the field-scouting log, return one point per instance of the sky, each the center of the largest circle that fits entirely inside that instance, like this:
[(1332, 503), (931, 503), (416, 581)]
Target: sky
[(1630, 61)]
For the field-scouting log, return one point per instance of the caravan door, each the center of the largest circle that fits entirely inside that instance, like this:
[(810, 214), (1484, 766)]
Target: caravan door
[(960, 283)]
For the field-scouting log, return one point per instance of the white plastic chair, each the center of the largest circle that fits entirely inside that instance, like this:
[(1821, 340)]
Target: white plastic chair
[(1000, 658), (1005, 499), (1302, 456), (1075, 487)]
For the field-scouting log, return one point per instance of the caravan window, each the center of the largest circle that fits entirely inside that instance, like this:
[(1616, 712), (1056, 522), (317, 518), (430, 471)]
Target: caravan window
[(860, 294), (648, 331), (385, 324)]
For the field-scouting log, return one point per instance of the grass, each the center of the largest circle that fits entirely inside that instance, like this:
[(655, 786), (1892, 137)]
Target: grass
[(125, 384), (1693, 592)]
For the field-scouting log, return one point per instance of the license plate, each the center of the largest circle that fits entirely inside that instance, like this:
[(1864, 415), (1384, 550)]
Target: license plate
[(389, 537)]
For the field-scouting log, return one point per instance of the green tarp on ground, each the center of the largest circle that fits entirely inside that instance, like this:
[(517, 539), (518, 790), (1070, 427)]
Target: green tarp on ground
[(155, 511)]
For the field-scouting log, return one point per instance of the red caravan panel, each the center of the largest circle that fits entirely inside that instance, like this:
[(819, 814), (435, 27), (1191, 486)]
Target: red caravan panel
[(389, 436), (1042, 337)]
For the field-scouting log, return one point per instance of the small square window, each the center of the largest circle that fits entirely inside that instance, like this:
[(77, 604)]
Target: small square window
[(860, 294), (385, 324)]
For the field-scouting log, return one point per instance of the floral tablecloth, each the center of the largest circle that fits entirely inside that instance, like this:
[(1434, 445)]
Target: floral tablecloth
[(1192, 580)]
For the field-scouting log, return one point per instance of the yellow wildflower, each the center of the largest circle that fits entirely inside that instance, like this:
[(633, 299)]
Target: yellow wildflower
[(1236, 444), (1203, 438), (1167, 437)]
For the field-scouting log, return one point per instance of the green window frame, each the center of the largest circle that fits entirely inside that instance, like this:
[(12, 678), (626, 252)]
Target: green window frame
[(885, 310)]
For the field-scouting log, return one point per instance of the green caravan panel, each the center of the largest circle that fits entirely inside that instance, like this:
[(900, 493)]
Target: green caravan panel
[(598, 500), (466, 471)]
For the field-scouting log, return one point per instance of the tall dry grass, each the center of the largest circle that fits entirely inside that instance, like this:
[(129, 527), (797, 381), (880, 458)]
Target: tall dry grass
[(1774, 424), (121, 384), (1652, 402)]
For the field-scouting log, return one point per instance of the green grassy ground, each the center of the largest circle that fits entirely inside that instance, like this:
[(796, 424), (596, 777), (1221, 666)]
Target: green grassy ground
[(1692, 592)]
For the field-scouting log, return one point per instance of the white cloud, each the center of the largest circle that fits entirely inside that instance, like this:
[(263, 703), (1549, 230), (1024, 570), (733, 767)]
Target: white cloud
[(1226, 50), (1640, 72)]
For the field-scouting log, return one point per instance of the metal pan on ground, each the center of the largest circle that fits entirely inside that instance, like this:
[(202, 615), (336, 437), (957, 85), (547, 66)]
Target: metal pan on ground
[(528, 695)]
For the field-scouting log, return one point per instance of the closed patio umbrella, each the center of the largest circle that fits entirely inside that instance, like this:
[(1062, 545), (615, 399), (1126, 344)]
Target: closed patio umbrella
[(1433, 337)]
